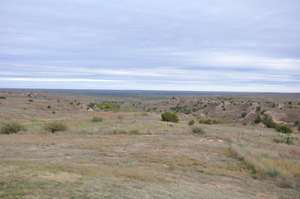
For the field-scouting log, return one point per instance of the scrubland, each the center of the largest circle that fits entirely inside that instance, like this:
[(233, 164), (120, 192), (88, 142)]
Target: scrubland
[(55, 146)]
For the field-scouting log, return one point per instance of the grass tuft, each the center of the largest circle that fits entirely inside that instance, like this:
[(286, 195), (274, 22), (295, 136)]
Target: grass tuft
[(191, 122), (198, 131), (11, 128), (55, 127), (97, 119)]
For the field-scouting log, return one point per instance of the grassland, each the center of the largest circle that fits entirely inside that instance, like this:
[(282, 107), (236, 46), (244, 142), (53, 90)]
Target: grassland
[(129, 152)]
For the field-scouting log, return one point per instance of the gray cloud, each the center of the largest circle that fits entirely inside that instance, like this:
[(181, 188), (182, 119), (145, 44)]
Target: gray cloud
[(193, 44)]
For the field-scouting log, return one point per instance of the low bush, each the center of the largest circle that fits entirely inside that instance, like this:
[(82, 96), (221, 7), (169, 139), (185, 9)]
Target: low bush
[(169, 117), (124, 132), (243, 115), (257, 119), (11, 128), (55, 126), (191, 122), (268, 121), (198, 131), (283, 129), (258, 108), (284, 138), (297, 125), (108, 106), (97, 119), (2, 97), (208, 121), (181, 109)]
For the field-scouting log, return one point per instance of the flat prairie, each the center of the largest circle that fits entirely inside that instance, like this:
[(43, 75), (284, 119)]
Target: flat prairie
[(118, 147)]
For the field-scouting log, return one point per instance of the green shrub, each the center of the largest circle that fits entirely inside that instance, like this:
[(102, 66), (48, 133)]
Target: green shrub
[(198, 131), (297, 124), (169, 117), (55, 126), (181, 109), (257, 119), (283, 129), (243, 115), (2, 97), (191, 122), (11, 128), (108, 106), (268, 121), (272, 172), (284, 138), (258, 108), (97, 119), (208, 121)]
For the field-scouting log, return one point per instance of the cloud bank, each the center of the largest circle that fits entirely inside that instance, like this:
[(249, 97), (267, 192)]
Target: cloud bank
[(156, 45)]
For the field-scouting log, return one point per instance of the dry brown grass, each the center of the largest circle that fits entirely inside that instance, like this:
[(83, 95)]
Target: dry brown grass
[(135, 155)]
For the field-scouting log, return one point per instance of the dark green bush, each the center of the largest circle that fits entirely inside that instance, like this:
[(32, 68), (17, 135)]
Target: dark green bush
[(208, 121), (244, 114), (11, 128), (198, 131), (257, 119), (191, 122), (97, 119), (169, 117), (2, 97), (297, 125), (55, 126), (283, 129), (258, 108)]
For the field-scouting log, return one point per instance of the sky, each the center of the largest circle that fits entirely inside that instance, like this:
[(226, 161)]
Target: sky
[(195, 45)]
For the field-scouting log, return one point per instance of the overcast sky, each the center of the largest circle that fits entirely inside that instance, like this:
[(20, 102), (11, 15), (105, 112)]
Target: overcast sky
[(208, 45)]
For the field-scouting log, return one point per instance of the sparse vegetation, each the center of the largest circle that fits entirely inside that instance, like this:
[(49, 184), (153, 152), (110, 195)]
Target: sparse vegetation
[(284, 138), (105, 106), (169, 117), (257, 119), (244, 114), (97, 119), (125, 132), (268, 121), (283, 129), (2, 97), (297, 125), (258, 108), (11, 128), (108, 106), (208, 121), (191, 122), (198, 131), (182, 109), (55, 126), (135, 149)]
